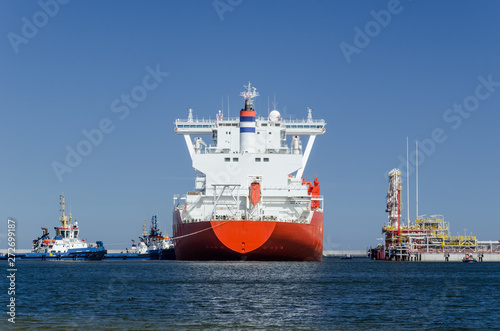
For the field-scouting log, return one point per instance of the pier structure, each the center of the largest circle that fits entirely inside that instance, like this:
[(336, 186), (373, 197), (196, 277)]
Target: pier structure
[(426, 238)]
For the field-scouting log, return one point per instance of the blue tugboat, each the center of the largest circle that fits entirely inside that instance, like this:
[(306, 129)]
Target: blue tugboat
[(66, 245), (152, 246), (469, 259)]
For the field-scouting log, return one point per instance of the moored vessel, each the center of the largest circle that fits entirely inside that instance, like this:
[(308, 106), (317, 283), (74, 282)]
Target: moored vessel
[(469, 258), (250, 201), (65, 245), (152, 246)]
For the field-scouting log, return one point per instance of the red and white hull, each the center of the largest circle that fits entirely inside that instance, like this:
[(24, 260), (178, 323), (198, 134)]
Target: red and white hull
[(249, 240)]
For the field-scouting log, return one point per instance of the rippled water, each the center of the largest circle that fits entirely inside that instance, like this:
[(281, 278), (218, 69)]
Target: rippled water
[(334, 294)]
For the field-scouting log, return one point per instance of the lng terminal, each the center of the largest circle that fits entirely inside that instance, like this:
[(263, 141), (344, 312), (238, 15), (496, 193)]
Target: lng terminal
[(426, 238)]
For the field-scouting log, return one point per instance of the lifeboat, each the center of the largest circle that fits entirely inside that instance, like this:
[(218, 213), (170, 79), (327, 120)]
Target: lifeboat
[(255, 193)]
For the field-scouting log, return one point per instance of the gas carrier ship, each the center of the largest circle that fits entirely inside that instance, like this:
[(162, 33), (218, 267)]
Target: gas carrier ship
[(250, 201)]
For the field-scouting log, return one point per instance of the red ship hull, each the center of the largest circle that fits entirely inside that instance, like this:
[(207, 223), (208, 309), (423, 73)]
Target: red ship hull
[(249, 240)]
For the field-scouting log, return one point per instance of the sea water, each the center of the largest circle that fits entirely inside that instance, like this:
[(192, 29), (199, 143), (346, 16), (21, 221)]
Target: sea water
[(334, 294)]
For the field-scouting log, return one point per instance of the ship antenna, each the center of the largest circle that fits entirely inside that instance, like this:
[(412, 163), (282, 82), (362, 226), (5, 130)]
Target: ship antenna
[(250, 94), (268, 106), (228, 106)]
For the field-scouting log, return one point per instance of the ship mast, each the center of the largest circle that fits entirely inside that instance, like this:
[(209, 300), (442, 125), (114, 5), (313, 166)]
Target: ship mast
[(249, 95), (63, 219)]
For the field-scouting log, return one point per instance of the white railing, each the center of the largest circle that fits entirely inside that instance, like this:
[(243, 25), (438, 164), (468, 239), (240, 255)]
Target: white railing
[(259, 119), (304, 121)]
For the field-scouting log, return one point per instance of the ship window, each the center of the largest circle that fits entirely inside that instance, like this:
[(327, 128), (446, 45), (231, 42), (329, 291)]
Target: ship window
[(270, 132), (76, 234), (235, 159), (266, 159), (227, 159), (264, 124), (257, 159)]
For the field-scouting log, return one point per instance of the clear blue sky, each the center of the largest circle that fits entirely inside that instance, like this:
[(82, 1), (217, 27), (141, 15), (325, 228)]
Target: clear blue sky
[(403, 80)]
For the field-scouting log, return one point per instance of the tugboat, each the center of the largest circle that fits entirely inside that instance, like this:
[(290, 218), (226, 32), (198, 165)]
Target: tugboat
[(469, 258), (66, 245), (160, 247), (152, 246)]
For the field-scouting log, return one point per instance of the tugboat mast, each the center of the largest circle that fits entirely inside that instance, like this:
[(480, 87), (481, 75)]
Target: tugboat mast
[(63, 219)]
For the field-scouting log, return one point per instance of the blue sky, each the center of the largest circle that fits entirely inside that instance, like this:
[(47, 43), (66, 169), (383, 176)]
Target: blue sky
[(404, 78)]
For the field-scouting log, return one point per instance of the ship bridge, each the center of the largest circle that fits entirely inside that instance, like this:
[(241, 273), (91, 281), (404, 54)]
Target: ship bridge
[(250, 135), (192, 126)]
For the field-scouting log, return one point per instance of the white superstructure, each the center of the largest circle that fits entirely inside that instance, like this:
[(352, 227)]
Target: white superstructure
[(250, 170), (66, 238)]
